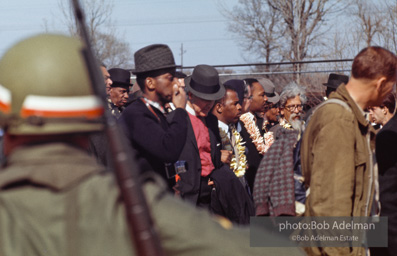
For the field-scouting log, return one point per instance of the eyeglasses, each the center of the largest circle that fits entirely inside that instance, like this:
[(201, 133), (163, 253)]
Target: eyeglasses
[(294, 107)]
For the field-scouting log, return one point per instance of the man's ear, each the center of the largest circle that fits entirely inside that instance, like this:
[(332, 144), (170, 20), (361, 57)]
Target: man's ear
[(150, 83), (218, 108), (380, 82)]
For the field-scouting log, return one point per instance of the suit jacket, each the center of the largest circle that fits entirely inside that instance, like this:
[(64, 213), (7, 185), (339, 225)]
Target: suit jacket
[(189, 184), (253, 156), (386, 152), (156, 141), (229, 198)]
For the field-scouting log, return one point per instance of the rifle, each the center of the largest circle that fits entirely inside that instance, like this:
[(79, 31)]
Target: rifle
[(139, 220)]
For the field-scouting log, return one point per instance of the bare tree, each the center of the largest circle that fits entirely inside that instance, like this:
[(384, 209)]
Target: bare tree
[(303, 21), (257, 27), (283, 29), (389, 32), (107, 45), (370, 21)]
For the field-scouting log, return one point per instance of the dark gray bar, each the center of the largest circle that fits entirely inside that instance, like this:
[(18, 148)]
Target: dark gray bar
[(320, 231)]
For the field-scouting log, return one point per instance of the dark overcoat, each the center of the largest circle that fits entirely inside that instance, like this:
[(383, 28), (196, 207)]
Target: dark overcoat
[(156, 141)]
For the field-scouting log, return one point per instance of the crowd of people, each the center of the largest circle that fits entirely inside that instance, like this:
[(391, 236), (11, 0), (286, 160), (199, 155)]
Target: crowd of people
[(286, 162), (211, 155)]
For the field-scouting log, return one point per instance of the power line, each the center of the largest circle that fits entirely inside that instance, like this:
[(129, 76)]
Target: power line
[(131, 24), (170, 23), (158, 2), (188, 41), (275, 63), (284, 72)]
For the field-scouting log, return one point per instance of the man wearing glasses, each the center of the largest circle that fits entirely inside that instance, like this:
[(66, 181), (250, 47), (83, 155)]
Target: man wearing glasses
[(279, 188), (291, 103)]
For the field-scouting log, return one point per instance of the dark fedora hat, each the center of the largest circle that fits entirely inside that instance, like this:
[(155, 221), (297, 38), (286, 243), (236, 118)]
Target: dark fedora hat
[(334, 80), (153, 57), (120, 77), (204, 83)]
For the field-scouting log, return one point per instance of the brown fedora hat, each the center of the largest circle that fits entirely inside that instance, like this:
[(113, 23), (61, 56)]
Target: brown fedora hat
[(153, 57), (204, 83)]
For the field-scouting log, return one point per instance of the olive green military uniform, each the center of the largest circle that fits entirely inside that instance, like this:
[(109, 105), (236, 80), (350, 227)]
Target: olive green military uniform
[(56, 200)]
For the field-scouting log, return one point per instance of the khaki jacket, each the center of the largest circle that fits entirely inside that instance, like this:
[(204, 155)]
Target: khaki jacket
[(337, 164)]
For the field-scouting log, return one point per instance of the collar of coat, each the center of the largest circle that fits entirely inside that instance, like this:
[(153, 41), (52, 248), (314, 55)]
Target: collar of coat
[(343, 94), (48, 165)]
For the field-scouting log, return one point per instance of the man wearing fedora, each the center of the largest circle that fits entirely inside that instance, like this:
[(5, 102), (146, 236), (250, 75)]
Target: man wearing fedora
[(208, 183), (157, 142), (334, 80), (201, 150), (119, 90)]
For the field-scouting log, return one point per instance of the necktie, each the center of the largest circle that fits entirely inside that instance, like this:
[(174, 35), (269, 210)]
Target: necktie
[(232, 130)]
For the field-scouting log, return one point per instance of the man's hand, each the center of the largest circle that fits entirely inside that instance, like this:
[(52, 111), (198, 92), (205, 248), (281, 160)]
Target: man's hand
[(179, 96), (226, 156)]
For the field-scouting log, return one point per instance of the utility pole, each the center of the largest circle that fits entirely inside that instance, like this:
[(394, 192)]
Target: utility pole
[(299, 11), (182, 52)]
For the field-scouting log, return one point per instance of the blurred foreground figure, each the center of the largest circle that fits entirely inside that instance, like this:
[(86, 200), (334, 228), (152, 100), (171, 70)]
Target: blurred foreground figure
[(54, 198)]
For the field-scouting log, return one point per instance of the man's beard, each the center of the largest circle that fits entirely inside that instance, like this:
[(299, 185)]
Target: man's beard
[(297, 124)]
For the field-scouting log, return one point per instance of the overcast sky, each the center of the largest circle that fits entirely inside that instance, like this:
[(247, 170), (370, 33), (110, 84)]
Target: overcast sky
[(197, 24)]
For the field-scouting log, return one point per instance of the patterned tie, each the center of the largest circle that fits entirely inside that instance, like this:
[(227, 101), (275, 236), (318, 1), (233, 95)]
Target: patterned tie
[(232, 130)]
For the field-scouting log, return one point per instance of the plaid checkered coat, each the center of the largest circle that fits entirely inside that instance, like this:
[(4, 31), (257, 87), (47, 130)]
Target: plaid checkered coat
[(274, 191)]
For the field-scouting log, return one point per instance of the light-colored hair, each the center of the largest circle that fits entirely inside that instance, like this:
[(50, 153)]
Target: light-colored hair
[(291, 91)]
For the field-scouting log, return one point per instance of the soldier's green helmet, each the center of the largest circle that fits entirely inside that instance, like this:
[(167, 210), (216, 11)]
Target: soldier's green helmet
[(45, 88)]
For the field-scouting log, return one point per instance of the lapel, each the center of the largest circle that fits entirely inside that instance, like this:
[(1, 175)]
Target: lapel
[(156, 114), (190, 135), (215, 140), (259, 123)]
